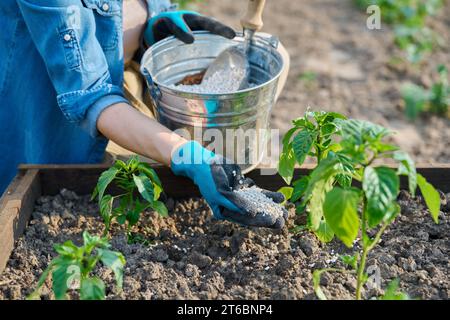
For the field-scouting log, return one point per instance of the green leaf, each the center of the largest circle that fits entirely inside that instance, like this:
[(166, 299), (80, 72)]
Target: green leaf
[(341, 212), (92, 289), (300, 208), (332, 116), (297, 229), (321, 181), (91, 242), (352, 261), (392, 292), (115, 261), (328, 129), (150, 172), (324, 233), (67, 249), (300, 187), (431, 197), (346, 166), (392, 213), (121, 219), (382, 147), (317, 274), (381, 186), (367, 241), (316, 202), (105, 179), (360, 131), (61, 273), (120, 165), (161, 208), (157, 191), (286, 165), (302, 144), (133, 163), (134, 215), (288, 136), (144, 186), (106, 204), (407, 167), (287, 192)]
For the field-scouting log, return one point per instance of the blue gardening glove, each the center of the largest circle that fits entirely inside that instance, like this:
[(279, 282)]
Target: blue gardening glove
[(218, 182), (180, 24)]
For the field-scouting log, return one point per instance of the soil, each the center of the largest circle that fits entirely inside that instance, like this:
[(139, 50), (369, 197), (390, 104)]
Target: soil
[(348, 68), (193, 256), (194, 79)]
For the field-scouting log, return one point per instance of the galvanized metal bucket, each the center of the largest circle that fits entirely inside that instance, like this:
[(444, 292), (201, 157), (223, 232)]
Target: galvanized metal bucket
[(241, 118)]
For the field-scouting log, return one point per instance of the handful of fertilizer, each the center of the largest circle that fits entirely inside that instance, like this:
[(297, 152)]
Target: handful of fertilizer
[(260, 203)]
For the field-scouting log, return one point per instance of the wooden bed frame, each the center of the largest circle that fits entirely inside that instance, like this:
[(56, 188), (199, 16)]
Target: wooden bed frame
[(33, 181)]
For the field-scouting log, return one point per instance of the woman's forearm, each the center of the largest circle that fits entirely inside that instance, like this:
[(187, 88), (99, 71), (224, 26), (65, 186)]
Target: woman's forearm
[(134, 131)]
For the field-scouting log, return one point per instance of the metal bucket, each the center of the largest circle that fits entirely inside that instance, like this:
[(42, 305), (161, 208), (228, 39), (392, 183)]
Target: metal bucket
[(240, 119)]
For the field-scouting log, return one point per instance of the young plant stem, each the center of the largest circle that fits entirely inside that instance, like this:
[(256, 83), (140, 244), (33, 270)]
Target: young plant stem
[(367, 247), (319, 150), (360, 272), (362, 261), (129, 237), (378, 236)]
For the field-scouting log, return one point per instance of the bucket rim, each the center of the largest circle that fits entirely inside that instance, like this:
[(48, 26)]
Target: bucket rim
[(209, 96)]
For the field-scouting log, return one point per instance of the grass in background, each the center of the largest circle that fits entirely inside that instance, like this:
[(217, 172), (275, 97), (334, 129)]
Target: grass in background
[(434, 100)]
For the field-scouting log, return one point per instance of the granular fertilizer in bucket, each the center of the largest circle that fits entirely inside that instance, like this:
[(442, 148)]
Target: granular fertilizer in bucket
[(260, 201), (218, 83)]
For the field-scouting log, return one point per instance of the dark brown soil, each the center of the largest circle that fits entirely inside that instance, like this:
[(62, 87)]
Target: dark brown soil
[(193, 256), (352, 67), (194, 79)]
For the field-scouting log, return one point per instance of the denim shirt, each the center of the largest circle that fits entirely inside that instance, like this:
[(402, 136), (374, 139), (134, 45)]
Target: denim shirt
[(61, 65)]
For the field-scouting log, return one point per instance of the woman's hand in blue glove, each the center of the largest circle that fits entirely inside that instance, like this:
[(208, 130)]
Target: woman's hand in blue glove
[(180, 24), (217, 182)]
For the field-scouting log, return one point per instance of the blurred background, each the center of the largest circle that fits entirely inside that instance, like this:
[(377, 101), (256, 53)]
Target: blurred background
[(395, 76)]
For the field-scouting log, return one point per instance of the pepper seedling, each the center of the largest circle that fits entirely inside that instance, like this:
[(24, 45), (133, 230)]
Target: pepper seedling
[(336, 208), (73, 267), (129, 177), (313, 136), (435, 100)]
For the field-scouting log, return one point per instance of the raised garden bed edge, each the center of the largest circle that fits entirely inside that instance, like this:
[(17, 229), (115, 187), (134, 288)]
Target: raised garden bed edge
[(33, 181)]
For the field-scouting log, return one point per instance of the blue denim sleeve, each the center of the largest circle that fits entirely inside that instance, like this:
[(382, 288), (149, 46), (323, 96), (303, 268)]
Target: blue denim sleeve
[(63, 32), (155, 7)]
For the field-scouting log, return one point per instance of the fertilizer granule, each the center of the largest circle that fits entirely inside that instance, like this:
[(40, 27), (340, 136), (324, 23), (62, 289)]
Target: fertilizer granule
[(260, 201), (218, 83)]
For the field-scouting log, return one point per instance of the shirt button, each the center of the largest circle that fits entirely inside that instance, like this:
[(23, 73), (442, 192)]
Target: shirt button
[(67, 37), (105, 7)]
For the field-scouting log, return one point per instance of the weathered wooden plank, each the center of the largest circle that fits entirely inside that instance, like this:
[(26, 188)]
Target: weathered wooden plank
[(16, 210), (83, 178), (437, 175), (10, 190)]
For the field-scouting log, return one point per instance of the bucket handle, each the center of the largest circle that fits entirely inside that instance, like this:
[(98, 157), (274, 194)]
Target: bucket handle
[(271, 40), (155, 92)]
